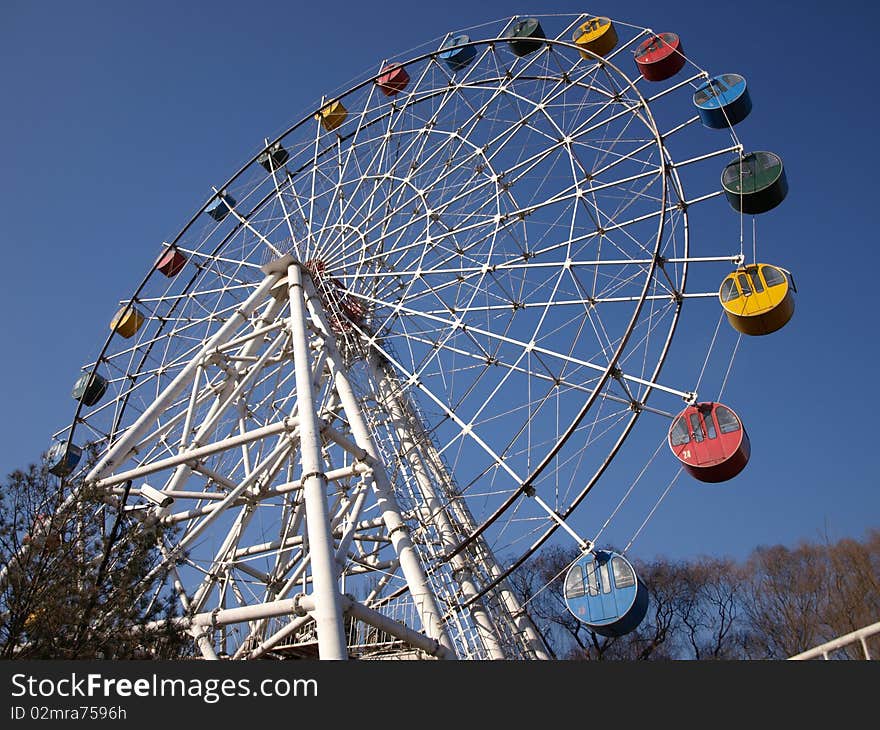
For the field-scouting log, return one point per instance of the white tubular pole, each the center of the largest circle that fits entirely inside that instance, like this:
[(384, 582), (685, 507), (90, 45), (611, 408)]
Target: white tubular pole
[(448, 534), (253, 612), (287, 424), (204, 643), (121, 450), (264, 473), (417, 582), (841, 641), (328, 615), (354, 512)]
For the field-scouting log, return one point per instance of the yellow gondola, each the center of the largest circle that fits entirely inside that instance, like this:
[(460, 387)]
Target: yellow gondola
[(127, 321), (758, 299), (332, 115), (597, 35)]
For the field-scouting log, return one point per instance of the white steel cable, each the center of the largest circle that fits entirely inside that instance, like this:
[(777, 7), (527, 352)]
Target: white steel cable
[(654, 509), (628, 492), (709, 353), (550, 582), (754, 239), (729, 366)]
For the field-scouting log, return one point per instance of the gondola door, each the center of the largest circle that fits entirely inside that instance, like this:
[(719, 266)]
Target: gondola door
[(603, 607), (705, 431), (752, 286)]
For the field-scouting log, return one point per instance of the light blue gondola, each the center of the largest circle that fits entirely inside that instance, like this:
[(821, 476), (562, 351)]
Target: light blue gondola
[(457, 58), (723, 101), (603, 591)]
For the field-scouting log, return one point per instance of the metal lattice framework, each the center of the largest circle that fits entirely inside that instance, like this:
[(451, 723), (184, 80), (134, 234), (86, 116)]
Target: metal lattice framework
[(409, 351)]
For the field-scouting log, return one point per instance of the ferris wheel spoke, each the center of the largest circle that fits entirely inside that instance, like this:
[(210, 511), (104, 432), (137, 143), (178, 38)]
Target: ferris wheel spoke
[(248, 226), (574, 265), (377, 156), (514, 367), (466, 429), (652, 384), (279, 196), (452, 325), (490, 143), (416, 197), (436, 212), (637, 196)]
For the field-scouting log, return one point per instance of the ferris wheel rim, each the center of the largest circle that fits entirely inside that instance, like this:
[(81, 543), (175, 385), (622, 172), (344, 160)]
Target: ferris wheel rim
[(309, 117), (432, 56)]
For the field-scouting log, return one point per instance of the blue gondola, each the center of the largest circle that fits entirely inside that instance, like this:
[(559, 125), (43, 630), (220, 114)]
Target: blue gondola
[(723, 101), (220, 206), (603, 591), (457, 58)]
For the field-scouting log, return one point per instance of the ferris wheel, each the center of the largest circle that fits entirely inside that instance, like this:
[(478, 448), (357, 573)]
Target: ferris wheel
[(392, 355)]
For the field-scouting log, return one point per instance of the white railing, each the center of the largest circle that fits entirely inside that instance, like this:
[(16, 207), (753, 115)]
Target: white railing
[(823, 650)]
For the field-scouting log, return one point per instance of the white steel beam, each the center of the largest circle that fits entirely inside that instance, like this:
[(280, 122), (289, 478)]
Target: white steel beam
[(122, 449), (328, 615), (301, 604), (286, 424), (420, 589)]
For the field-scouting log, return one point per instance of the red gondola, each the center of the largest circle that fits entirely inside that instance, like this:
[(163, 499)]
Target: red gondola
[(660, 57), (710, 441), (171, 262), (393, 80)]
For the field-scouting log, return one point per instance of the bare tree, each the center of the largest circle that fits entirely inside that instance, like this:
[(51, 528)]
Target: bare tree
[(658, 636), (73, 584), (711, 610), (777, 603), (803, 597), (853, 598)]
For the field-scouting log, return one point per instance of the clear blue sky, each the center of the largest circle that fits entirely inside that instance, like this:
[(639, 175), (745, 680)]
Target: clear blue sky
[(118, 117)]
